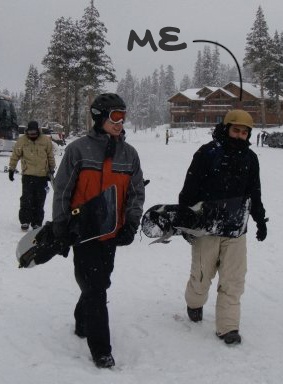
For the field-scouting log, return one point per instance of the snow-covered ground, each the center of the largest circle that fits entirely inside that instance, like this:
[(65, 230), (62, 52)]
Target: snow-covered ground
[(153, 340)]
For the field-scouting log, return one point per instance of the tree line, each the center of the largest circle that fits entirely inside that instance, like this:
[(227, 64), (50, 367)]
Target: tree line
[(76, 69)]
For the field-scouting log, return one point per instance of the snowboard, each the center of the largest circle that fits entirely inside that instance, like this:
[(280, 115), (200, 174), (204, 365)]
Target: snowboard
[(205, 218), (94, 219)]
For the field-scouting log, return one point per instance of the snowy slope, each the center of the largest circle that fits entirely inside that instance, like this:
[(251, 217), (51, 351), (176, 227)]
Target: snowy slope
[(153, 340)]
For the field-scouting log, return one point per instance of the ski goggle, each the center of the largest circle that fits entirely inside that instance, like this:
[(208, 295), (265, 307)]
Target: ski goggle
[(117, 116)]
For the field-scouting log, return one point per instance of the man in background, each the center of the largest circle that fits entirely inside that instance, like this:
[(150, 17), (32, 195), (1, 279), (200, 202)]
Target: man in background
[(35, 151)]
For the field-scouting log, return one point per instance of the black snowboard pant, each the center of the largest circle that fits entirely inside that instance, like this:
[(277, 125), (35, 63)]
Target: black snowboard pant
[(94, 263), (32, 200)]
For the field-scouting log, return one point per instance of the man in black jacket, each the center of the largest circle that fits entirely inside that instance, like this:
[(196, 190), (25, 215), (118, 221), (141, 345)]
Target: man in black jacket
[(223, 169)]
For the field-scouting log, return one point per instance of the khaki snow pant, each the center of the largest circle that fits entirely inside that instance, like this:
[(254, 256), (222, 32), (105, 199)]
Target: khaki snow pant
[(228, 256)]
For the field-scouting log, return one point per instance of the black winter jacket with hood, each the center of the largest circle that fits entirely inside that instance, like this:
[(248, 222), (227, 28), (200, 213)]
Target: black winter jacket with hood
[(225, 168)]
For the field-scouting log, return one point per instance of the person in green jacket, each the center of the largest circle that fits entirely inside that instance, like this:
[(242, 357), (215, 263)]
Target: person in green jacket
[(35, 151)]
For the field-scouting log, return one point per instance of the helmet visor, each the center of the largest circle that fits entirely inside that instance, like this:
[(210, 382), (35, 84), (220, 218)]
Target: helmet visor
[(117, 116)]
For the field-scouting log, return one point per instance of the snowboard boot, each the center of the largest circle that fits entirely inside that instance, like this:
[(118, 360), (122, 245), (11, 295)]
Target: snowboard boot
[(195, 314), (25, 227), (231, 337), (104, 361)]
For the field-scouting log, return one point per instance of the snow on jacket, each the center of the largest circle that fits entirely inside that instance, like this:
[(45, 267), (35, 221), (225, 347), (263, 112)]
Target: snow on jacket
[(219, 172), (37, 157), (84, 173)]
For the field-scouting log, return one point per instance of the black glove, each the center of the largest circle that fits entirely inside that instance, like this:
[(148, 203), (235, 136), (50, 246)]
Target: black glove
[(145, 182), (126, 235), (11, 174), (261, 230), (62, 235), (50, 175)]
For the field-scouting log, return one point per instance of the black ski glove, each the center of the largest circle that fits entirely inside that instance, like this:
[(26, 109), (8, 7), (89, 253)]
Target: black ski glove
[(145, 182), (126, 235), (50, 175), (11, 174), (61, 233), (261, 230)]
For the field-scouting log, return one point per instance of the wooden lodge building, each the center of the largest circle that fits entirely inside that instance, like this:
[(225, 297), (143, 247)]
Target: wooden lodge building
[(208, 105)]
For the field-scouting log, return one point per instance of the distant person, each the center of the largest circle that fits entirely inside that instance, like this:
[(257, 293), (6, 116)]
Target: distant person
[(63, 137), (35, 151), (223, 169), (257, 139), (167, 136), (262, 138)]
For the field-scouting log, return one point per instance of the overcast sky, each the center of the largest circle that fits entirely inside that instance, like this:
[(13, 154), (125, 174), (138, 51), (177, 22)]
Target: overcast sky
[(26, 27)]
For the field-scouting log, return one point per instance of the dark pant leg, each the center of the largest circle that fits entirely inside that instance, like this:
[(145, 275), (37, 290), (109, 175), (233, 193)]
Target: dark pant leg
[(79, 317), (39, 196), (26, 200), (32, 199), (94, 263)]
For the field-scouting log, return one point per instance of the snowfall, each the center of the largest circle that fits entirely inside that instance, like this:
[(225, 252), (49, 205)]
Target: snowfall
[(152, 338)]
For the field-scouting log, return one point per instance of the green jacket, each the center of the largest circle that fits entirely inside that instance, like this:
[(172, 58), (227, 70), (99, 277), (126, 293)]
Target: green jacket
[(37, 157)]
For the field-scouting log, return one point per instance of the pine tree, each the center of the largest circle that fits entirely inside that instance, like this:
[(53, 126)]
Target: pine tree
[(154, 108), (206, 64), (128, 94), (162, 97), (154, 83), (96, 66), (45, 101), (29, 103), (215, 68), (185, 83), (121, 88), (257, 54), (126, 89), (197, 79), (135, 105), (61, 62), (153, 111), (170, 85), (274, 74)]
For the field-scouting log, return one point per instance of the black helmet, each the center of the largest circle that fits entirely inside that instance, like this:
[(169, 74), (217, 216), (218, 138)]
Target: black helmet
[(32, 125), (32, 131), (104, 103)]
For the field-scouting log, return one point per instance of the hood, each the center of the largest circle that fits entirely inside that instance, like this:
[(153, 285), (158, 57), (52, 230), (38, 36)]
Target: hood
[(220, 135)]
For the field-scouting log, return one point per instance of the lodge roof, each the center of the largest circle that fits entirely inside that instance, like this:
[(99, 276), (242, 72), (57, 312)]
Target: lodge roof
[(196, 94)]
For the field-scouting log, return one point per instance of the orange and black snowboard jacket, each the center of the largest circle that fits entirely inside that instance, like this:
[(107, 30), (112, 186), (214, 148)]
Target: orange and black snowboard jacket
[(84, 173)]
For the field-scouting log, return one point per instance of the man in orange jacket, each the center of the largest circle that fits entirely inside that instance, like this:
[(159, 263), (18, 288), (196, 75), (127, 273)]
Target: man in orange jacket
[(90, 165)]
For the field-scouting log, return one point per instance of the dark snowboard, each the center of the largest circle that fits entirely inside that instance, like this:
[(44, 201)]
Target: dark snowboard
[(96, 218), (205, 218)]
